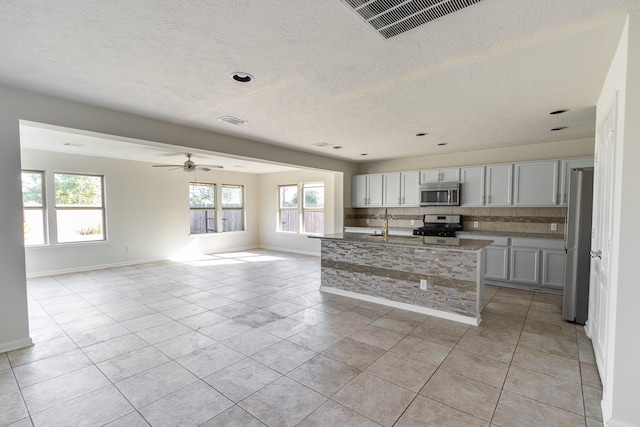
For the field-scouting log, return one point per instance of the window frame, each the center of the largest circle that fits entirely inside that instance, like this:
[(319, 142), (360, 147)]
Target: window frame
[(296, 209), (241, 209), (304, 209), (206, 209), (102, 208), (42, 208), (300, 208)]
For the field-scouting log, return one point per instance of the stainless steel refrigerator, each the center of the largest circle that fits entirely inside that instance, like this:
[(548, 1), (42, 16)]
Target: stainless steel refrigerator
[(575, 304)]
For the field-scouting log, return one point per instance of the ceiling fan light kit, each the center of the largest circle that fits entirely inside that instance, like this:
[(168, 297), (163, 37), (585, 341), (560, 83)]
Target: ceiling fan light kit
[(190, 166)]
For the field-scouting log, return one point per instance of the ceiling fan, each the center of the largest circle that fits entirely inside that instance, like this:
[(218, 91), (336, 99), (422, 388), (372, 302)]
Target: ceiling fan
[(190, 166)]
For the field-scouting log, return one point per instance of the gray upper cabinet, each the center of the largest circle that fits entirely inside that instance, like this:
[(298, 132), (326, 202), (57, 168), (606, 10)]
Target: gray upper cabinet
[(366, 190), (472, 186), (401, 189), (440, 175), (565, 174), (498, 180), (391, 189), (410, 188), (536, 183)]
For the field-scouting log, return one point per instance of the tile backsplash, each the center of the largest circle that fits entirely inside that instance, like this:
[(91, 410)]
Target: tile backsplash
[(516, 220)]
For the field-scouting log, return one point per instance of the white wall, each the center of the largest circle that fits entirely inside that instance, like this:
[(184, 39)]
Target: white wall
[(548, 150), (147, 209), (622, 377), (333, 221)]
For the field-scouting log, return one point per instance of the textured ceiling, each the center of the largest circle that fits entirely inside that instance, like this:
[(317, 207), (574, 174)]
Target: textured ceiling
[(486, 76)]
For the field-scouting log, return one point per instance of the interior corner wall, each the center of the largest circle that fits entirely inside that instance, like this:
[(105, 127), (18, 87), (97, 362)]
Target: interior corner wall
[(549, 150), (147, 210), (621, 386), (270, 238), (14, 325)]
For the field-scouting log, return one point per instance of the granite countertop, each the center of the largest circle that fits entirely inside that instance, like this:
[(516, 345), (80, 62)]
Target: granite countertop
[(513, 234), (394, 240)]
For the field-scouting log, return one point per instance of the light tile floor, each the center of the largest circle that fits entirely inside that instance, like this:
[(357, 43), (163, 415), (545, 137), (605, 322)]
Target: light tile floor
[(246, 339)]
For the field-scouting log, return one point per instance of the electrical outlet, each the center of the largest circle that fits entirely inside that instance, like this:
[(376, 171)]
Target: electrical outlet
[(127, 248), (368, 221), (413, 222), (423, 284), (554, 227), (475, 224)]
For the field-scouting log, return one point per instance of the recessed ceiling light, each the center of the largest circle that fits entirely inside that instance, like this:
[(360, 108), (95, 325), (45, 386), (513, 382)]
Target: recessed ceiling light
[(242, 77), (558, 128), (422, 134), (320, 144), (442, 143), (337, 147), (364, 154), (558, 111)]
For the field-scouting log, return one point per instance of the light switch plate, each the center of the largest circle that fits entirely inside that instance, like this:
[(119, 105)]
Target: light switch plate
[(475, 224), (554, 227)]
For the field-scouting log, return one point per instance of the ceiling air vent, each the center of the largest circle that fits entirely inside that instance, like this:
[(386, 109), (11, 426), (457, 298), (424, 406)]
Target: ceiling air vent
[(232, 120), (392, 17)]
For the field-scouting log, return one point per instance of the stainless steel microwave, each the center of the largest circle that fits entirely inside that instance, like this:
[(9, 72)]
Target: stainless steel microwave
[(440, 194)]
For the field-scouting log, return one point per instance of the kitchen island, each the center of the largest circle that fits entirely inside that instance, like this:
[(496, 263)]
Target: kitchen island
[(442, 280)]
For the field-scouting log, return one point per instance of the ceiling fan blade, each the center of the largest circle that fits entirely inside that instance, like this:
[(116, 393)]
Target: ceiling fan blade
[(177, 167), (166, 166), (211, 166)]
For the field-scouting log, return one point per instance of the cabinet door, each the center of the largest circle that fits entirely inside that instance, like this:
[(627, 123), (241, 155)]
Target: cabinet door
[(450, 175), (565, 175), (553, 262), (498, 185), (410, 192), (359, 191), (472, 186), (374, 189), (437, 175), (496, 264), (536, 183), (525, 265), (430, 175), (391, 189)]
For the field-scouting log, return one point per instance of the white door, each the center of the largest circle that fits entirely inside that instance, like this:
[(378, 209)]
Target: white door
[(391, 189), (601, 236), (498, 179), (410, 188), (472, 186)]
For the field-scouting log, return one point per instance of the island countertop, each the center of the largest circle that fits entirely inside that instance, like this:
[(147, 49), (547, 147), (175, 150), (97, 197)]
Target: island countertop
[(414, 241)]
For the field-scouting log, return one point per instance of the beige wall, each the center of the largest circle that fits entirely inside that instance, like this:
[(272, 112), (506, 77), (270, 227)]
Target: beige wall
[(147, 209)]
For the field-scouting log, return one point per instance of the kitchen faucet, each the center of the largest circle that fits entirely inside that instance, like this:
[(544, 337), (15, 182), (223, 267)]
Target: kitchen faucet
[(385, 229)]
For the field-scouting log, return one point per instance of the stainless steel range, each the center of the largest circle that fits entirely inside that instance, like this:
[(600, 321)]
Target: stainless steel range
[(440, 229)]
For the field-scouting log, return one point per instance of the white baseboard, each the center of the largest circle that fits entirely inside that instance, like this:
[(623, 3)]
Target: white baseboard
[(395, 304), (15, 345), (91, 267)]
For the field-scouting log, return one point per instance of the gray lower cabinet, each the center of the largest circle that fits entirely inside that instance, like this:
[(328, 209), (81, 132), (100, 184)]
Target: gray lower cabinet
[(553, 266), (528, 263), (525, 265)]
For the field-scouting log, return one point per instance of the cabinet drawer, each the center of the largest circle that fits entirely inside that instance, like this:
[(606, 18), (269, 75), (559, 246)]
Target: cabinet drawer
[(528, 242)]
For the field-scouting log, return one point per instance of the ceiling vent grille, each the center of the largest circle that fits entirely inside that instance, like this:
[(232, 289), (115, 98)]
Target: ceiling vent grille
[(232, 120), (392, 17)]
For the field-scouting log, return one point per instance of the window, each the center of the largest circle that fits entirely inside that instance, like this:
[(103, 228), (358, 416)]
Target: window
[(79, 205), (311, 210), (33, 208), (232, 208), (202, 208), (288, 208)]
